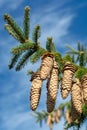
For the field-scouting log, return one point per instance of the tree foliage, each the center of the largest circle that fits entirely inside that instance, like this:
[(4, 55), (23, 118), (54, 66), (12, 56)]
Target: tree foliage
[(30, 50)]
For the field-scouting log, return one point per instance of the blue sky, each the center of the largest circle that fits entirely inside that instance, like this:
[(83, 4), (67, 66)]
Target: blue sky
[(66, 22)]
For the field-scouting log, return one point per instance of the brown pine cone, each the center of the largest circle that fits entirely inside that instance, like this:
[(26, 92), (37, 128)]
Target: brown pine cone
[(84, 88), (76, 95), (68, 72), (46, 66), (74, 113), (35, 90), (52, 88)]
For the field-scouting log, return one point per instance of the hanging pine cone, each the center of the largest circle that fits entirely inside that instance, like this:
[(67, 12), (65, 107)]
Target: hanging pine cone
[(35, 90), (76, 95), (52, 87), (68, 72), (84, 88), (46, 65), (68, 116)]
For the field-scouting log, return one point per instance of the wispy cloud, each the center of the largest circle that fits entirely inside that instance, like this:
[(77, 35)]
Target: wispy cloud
[(54, 23), (10, 4), (15, 120)]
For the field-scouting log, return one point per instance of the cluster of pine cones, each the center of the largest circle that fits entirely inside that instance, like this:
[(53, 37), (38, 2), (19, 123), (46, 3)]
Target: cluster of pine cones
[(49, 70), (78, 89)]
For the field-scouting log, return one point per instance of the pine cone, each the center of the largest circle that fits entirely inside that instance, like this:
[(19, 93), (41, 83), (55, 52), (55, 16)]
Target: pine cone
[(84, 88), (46, 66), (76, 95), (52, 88), (74, 113), (35, 90), (68, 72)]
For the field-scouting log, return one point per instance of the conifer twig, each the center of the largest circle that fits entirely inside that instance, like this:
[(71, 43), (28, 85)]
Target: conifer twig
[(26, 22), (14, 60), (12, 32), (24, 59), (23, 47), (15, 27), (36, 34), (50, 45)]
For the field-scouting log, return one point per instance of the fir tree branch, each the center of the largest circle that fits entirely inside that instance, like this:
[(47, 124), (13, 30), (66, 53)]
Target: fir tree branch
[(72, 50), (12, 32), (36, 56), (26, 22), (21, 48), (50, 45), (15, 27), (36, 34), (13, 60), (40, 116), (29, 72), (24, 59), (67, 58), (80, 72), (79, 46), (59, 60)]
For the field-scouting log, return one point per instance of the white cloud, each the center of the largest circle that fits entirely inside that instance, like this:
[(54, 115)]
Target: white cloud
[(53, 23), (10, 123), (10, 4)]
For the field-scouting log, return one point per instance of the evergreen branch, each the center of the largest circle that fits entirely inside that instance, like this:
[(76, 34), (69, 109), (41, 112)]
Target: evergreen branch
[(73, 59), (72, 50), (29, 72), (84, 109), (79, 46), (70, 47), (77, 59), (12, 32), (36, 34), (40, 116), (36, 56), (81, 60), (67, 58), (24, 59), (80, 72), (14, 60), (26, 22), (50, 45), (21, 48), (59, 60), (15, 27)]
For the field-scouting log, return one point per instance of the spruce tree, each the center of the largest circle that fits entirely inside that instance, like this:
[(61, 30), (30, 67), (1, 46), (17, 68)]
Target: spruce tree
[(69, 72)]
